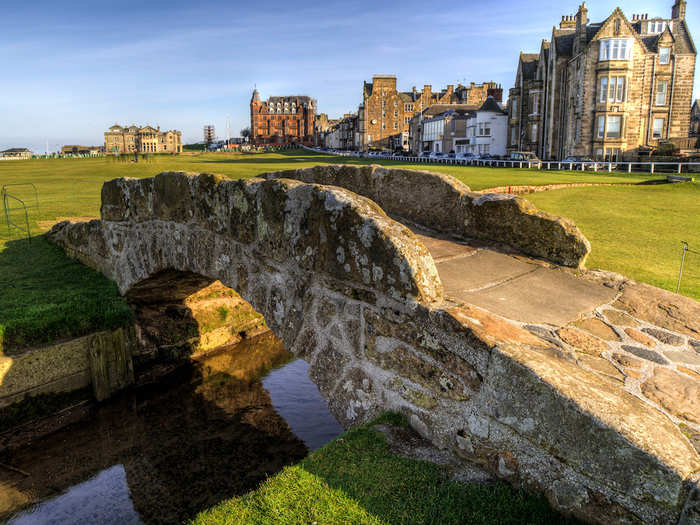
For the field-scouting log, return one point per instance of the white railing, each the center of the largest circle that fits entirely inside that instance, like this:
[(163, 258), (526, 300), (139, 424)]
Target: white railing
[(596, 166)]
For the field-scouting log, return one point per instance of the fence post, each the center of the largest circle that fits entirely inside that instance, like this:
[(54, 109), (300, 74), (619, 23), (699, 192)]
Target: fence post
[(652, 167), (609, 167), (629, 167), (680, 274), (680, 168)]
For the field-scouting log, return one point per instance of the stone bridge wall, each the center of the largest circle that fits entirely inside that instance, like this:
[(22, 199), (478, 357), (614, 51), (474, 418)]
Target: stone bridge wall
[(357, 296), (444, 204)]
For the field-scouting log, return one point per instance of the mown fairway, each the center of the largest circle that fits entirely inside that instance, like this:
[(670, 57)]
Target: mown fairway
[(635, 230)]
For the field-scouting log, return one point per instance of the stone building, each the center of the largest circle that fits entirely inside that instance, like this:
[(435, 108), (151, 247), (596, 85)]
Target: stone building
[(434, 128), (695, 119), (608, 90), (135, 139), (385, 113), (282, 120), (16, 153)]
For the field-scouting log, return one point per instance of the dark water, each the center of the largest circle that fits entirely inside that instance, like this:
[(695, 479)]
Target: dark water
[(162, 454)]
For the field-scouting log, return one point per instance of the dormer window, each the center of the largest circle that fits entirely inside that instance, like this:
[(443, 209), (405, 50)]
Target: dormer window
[(664, 55), (656, 26), (615, 49)]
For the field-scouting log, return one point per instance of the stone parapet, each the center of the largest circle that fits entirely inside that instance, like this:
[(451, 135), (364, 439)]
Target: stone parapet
[(444, 204)]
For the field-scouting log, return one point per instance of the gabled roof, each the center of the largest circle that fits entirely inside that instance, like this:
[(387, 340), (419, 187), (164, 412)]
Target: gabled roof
[(492, 106), (529, 65), (563, 41), (439, 109), (16, 150)]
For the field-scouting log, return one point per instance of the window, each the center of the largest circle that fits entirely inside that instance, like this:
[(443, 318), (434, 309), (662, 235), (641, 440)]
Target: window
[(396, 125), (513, 135), (533, 132), (616, 91), (656, 26), (601, 126), (658, 129), (603, 90), (396, 113), (615, 49), (661, 88), (664, 55), (514, 108), (614, 127)]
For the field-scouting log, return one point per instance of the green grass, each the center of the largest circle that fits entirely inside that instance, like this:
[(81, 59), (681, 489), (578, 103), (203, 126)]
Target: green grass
[(636, 231), (356, 479), (43, 296)]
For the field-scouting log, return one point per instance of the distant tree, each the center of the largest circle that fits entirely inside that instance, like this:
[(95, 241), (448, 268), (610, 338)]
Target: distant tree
[(245, 133)]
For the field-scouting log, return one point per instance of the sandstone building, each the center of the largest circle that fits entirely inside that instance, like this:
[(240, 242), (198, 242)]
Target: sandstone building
[(607, 90), (385, 113), (282, 120), (135, 139)]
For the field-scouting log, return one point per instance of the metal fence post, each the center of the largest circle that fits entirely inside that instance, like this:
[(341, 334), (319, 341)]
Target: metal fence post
[(680, 274)]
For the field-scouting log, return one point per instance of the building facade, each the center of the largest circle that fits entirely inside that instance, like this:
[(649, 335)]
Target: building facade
[(435, 128), (487, 131), (135, 139), (16, 153), (695, 119), (282, 120), (385, 113), (609, 90), (82, 150)]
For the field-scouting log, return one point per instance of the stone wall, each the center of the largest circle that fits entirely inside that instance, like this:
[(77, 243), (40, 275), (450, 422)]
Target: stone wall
[(357, 296), (444, 204)]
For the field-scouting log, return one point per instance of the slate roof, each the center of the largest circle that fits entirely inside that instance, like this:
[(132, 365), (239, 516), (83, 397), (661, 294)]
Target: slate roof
[(491, 105), (16, 150), (292, 98), (439, 109), (564, 41), (529, 61)]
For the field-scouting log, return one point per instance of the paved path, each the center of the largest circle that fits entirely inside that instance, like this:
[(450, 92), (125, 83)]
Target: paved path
[(512, 287)]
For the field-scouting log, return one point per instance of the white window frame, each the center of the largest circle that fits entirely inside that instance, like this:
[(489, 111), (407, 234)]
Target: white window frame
[(601, 127), (608, 121), (615, 49), (661, 92), (665, 55), (660, 130), (603, 90)]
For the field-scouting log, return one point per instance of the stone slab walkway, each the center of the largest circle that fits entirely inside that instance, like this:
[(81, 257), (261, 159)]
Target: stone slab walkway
[(512, 286)]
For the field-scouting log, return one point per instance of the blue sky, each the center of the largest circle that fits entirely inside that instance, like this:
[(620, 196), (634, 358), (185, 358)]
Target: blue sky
[(71, 69)]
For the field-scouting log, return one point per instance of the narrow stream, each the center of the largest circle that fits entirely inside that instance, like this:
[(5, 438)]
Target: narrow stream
[(162, 454)]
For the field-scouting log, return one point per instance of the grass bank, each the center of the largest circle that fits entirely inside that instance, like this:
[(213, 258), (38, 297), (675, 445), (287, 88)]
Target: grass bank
[(636, 231), (356, 479)]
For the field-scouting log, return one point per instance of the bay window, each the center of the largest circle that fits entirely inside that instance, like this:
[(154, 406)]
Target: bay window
[(614, 127), (615, 49)]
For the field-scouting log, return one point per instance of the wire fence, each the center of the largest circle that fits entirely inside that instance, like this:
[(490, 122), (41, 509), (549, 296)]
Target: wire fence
[(685, 262)]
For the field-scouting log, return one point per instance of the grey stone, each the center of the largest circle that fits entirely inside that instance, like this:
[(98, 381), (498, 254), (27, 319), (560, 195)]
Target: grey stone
[(647, 354), (663, 336)]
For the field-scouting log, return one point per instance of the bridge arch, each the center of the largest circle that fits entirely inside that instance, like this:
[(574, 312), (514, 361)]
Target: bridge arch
[(307, 257), (358, 296)]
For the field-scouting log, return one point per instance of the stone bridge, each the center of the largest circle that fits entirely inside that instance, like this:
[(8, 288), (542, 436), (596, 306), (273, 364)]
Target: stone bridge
[(470, 314)]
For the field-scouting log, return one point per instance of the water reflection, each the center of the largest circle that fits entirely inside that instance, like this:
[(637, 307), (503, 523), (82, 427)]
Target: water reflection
[(162, 454)]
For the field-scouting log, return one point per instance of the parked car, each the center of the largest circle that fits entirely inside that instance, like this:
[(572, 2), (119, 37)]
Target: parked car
[(438, 155), (464, 156), (588, 163), (485, 156), (524, 156), (424, 154), (398, 154)]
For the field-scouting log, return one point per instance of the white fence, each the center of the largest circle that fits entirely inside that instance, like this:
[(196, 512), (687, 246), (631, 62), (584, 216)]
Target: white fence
[(596, 166)]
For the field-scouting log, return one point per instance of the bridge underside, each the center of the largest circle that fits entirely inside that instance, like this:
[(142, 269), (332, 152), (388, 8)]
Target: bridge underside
[(582, 385)]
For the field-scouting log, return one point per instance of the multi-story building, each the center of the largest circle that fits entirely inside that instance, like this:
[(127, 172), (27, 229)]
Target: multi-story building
[(608, 90), (435, 128), (487, 130), (135, 139), (282, 120), (385, 113)]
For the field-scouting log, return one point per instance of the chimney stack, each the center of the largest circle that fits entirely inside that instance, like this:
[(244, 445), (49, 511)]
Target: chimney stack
[(678, 10)]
